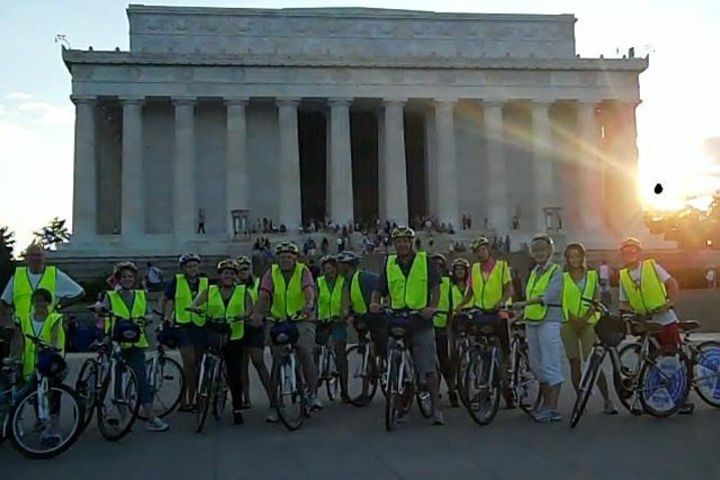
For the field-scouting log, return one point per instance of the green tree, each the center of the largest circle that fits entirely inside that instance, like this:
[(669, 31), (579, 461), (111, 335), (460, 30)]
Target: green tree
[(7, 239), (53, 234)]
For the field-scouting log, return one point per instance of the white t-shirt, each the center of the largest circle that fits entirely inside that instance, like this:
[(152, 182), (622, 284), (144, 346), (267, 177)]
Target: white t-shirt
[(154, 275), (665, 318), (65, 287), (604, 273), (710, 277)]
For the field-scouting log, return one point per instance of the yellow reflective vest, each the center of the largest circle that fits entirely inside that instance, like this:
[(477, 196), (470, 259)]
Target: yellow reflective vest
[(411, 291), (489, 293), (216, 308), (184, 298), (53, 322), (647, 296), (457, 295), (357, 301), (572, 296), (288, 299), (329, 301), (23, 290), (440, 320), (536, 287), (121, 311)]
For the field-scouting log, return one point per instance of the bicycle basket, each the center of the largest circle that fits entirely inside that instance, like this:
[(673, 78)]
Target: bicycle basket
[(610, 330), (126, 331), (51, 365), (400, 326), (284, 333), (169, 337), (486, 324)]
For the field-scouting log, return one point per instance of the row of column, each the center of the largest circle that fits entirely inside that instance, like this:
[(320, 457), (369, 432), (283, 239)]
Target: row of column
[(392, 168)]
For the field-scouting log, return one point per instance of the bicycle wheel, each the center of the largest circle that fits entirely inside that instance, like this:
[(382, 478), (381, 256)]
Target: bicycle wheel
[(482, 386), (664, 384), (587, 383), (706, 372), (289, 399), (43, 426), (527, 387), (86, 389), (119, 403), (221, 395), (393, 396), (204, 392), (332, 379), (168, 388), (630, 359), (381, 373), (362, 376), (626, 380), (461, 373), (5, 404)]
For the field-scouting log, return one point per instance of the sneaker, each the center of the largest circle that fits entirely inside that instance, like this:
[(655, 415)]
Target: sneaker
[(315, 404), (50, 438), (609, 408), (401, 418), (437, 417), (189, 408), (272, 417), (547, 415), (238, 417), (156, 425), (687, 409)]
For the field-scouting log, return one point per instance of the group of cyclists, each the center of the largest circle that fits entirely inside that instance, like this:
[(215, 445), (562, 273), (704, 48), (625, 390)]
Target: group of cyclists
[(557, 313)]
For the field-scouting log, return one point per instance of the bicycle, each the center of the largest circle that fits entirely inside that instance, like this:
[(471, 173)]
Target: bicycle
[(166, 377), (41, 417), (704, 363), (108, 385), (366, 368), (402, 379), (480, 383), (288, 387), (325, 359), (650, 380), (522, 382)]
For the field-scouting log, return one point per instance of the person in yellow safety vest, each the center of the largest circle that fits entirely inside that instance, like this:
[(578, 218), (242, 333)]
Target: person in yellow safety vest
[(359, 285), (440, 322), (330, 309), (543, 317), (126, 303), (410, 282), (48, 326), (231, 302), (36, 274), (459, 272), (287, 293), (490, 289), (177, 297), (579, 318), (254, 340)]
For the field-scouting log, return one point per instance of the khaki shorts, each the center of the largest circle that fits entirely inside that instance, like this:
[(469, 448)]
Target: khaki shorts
[(577, 341)]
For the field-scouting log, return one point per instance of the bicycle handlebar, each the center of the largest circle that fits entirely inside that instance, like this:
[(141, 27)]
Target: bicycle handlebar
[(42, 344)]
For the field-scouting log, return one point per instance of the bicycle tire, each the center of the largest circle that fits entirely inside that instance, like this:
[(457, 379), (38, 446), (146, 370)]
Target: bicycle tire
[(165, 377), (221, 395), (296, 397), (371, 376), (625, 381), (86, 389), (3, 427), (332, 382), (204, 395), (708, 361), (392, 398), (133, 406), (381, 373), (677, 386), (460, 380), (15, 435), (479, 416), (527, 387), (587, 383)]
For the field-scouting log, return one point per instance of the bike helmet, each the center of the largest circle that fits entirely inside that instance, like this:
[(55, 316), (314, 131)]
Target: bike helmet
[(243, 260), (461, 262), (188, 257), (127, 331), (348, 257), (124, 266), (227, 264), (574, 245), (286, 247), (328, 258), (402, 232), (631, 242), (544, 237), (479, 242)]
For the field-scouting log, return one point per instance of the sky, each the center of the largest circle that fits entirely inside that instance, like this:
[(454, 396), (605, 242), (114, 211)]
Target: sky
[(679, 111)]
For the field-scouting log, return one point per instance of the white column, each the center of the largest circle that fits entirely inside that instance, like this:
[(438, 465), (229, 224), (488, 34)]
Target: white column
[(185, 208), (236, 165), (340, 168), (289, 188), (394, 171), (431, 162), (381, 163), (498, 211), (85, 170), (591, 168), (132, 203), (447, 184), (543, 169)]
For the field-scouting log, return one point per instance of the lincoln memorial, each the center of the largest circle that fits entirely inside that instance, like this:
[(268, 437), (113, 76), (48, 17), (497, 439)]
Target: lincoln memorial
[(352, 114)]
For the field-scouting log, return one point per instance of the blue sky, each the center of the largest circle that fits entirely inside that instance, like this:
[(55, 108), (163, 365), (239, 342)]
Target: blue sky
[(679, 90)]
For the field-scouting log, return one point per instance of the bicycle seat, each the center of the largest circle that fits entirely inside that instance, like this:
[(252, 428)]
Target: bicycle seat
[(651, 326), (689, 325), (518, 325)]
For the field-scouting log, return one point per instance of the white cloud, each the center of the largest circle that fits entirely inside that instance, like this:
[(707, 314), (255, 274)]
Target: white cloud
[(49, 114), (19, 96)]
